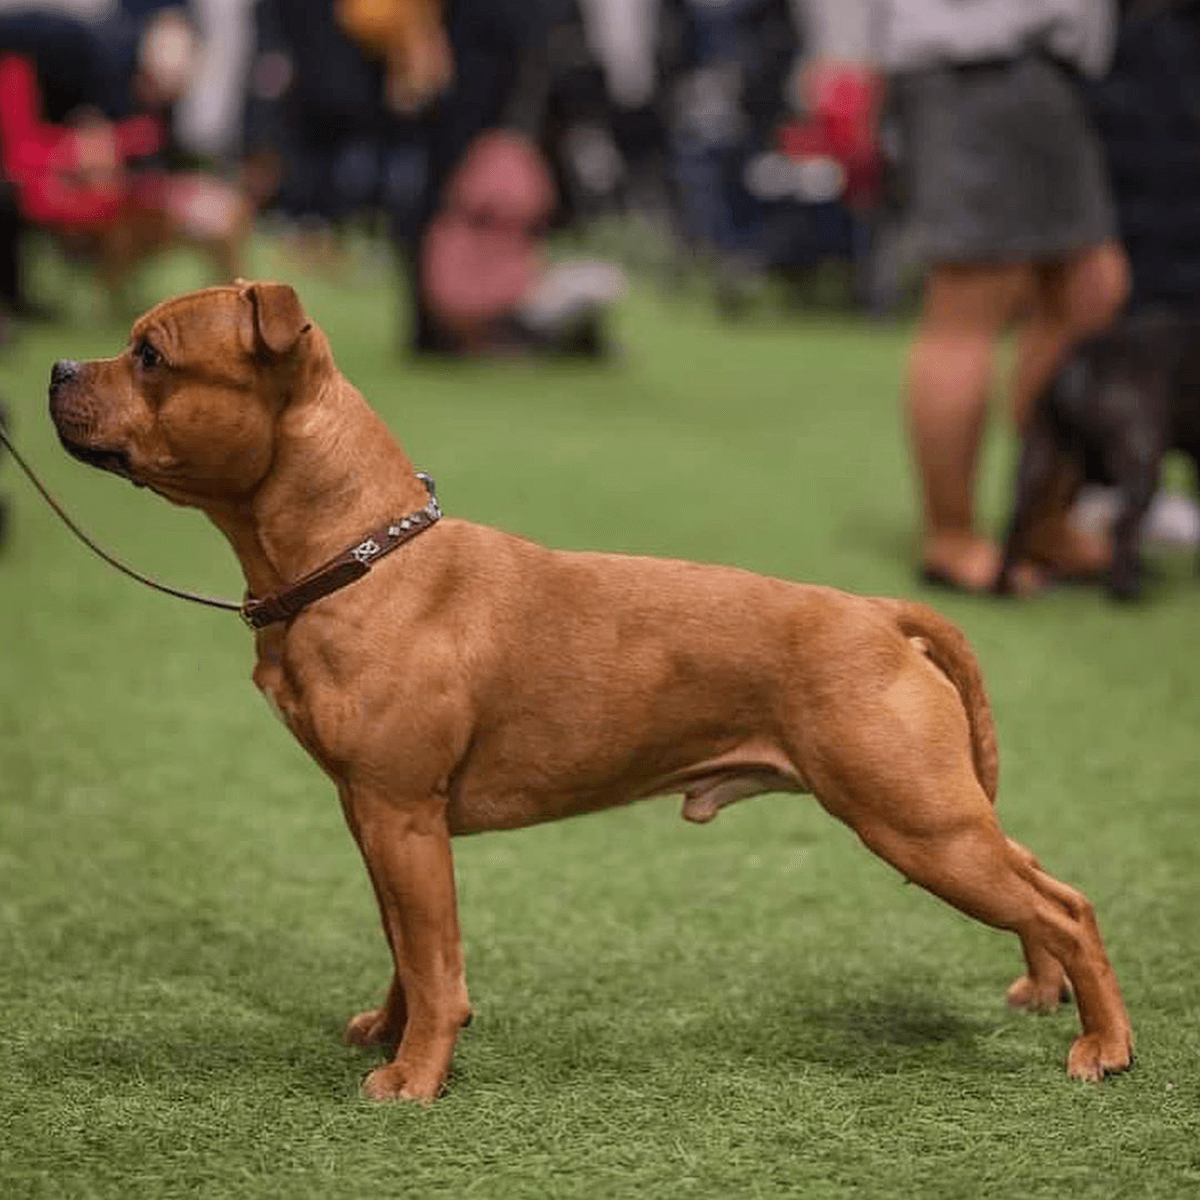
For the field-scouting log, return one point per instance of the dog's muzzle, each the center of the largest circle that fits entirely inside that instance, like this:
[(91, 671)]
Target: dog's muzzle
[(74, 420)]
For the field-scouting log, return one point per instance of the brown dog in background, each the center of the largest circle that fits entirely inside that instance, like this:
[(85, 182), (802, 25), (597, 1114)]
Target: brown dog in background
[(475, 681), (186, 210)]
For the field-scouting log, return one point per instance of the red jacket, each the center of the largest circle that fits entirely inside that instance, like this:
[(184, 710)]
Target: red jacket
[(42, 163)]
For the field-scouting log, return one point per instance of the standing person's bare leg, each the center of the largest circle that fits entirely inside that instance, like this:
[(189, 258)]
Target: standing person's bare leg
[(966, 309), (1071, 301)]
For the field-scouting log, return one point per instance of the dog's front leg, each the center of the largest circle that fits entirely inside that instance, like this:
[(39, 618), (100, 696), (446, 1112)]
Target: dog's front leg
[(406, 845), (383, 1026)]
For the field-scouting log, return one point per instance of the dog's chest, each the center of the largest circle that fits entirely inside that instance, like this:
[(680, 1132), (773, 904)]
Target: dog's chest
[(271, 695), (290, 703), (270, 679)]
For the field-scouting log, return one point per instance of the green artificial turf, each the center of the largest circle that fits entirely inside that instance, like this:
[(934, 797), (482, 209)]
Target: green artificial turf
[(754, 1008)]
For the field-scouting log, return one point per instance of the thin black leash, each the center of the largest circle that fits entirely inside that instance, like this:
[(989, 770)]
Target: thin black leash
[(210, 601), (258, 612)]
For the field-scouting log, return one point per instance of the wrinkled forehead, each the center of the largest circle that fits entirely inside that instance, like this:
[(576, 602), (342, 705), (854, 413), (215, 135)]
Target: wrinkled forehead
[(214, 316)]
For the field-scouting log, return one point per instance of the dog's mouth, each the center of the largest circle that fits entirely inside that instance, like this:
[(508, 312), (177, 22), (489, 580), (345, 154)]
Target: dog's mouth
[(112, 460)]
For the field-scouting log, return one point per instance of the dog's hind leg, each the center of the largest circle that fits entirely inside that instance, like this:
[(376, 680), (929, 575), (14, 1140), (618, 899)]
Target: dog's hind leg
[(1044, 985), (969, 863), (902, 777)]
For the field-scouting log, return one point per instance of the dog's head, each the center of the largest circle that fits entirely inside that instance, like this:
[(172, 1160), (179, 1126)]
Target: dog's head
[(190, 407)]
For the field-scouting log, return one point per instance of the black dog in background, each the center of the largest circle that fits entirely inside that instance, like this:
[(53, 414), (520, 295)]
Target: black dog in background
[(1118, 405)]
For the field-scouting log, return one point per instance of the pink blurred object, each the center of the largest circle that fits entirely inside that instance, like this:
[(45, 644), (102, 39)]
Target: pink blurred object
[(503, 179), (483, 252), (842, 124)]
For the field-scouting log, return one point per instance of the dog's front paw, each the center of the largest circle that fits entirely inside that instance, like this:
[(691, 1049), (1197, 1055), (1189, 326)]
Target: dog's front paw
[(1094, 1055), (1041, 997), (394, 1083), (367, 1029)]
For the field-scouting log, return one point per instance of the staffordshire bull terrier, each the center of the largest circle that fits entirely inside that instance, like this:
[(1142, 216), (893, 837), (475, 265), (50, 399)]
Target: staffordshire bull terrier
[(452, 679)]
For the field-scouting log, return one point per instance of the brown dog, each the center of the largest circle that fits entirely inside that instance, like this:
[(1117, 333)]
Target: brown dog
[(475, 681)]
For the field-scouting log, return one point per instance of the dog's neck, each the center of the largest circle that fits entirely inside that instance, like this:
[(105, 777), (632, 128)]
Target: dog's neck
[(338, 473)]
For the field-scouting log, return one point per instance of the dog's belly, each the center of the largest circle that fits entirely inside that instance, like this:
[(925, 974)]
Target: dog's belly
[(706, 787)]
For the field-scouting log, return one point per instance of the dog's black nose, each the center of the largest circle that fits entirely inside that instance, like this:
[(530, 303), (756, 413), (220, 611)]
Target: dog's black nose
[(63, 371)]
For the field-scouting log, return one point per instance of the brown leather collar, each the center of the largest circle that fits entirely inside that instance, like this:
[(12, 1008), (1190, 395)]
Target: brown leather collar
[(353, 563)]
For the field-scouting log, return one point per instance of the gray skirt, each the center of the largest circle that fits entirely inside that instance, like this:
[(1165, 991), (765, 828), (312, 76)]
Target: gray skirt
[(999, 163)]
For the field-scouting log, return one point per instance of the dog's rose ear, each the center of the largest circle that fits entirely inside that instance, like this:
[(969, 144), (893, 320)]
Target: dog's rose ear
[(279, 319)]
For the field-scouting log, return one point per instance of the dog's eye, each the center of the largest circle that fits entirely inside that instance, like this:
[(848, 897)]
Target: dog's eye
[(147, 357)]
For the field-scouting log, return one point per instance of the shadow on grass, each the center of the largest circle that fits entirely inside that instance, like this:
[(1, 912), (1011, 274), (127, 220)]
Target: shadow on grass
[(207, 1005), (197, 1059), (896, 1027), (193, 1063), (197, 1005), (240, 1049)]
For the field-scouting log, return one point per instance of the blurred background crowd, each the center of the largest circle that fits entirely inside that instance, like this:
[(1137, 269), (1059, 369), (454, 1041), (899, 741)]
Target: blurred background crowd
[(1027, 165), (325, 116)]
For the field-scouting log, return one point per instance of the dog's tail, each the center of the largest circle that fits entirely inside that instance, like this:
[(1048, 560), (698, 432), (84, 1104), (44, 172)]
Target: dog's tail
[(945, 645)]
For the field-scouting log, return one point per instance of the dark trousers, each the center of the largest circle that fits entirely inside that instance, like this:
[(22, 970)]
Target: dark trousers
[(11, 228)]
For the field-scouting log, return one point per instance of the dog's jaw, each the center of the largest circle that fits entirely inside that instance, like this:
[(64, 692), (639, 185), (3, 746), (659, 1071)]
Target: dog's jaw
[(115, 461)]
